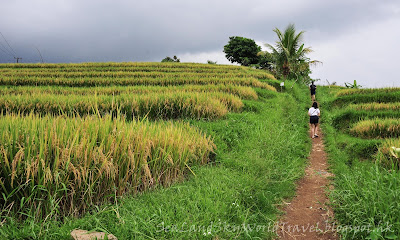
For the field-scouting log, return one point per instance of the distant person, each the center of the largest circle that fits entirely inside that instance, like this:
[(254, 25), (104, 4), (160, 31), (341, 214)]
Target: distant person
[(314, 114), (312, 90)]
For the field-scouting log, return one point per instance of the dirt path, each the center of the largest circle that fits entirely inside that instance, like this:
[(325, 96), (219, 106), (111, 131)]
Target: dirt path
[(308, 216)]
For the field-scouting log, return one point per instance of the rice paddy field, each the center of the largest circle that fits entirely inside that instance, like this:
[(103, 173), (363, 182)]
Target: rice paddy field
[(138, 149), (362, 129)]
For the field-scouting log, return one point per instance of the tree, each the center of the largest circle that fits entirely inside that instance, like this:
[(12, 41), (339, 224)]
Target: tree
[(265, 61), (354, 85), (290, 54), (242, 50), (168, 59)]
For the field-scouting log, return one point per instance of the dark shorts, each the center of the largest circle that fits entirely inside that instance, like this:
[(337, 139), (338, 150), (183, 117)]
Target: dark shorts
[(314, 119), (313, 93)]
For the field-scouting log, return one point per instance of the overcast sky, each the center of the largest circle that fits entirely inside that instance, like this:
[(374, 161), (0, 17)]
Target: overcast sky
[(355, 39)]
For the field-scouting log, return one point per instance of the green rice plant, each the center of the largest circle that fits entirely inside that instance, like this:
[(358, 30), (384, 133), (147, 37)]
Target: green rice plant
[(153, 106), (68, 164), (354, 91), (345, 118), (359, 148), (368, 97), (240, 91), (377, 128)]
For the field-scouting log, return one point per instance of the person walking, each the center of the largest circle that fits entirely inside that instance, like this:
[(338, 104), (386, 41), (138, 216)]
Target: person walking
[(312, 90), (314, 114)]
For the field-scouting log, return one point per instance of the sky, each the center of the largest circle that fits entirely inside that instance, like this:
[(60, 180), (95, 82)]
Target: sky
[(354, 39)]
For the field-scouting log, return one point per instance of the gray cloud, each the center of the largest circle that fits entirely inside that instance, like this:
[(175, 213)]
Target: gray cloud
[(122, 30)]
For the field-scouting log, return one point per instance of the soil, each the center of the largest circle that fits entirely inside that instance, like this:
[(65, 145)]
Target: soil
[(309, 216)]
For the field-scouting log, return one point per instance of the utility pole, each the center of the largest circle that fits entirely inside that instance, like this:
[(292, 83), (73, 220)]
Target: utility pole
[(17, 58)]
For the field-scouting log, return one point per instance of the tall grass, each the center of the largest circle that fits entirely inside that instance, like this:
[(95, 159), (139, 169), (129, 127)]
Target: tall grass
[(65, 165), (365, 194)]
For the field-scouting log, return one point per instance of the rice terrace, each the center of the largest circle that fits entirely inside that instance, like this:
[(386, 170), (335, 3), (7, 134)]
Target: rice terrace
[(99, 139), (78, 139)]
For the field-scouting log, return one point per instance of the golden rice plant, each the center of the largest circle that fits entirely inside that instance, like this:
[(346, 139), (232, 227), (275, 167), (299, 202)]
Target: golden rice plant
[(240, 91), (122, 73), (130, 74), (100, 81), (65, 165), (132, 67), (377, 128), (154, 106), (375, 106), (191, 67)]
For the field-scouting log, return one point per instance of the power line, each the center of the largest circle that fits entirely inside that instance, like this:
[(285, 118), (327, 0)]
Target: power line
[(41, 58), (8, 44), (4, 49)]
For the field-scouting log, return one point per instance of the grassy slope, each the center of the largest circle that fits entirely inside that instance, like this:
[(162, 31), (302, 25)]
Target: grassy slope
[(260, 154), (366, 195)]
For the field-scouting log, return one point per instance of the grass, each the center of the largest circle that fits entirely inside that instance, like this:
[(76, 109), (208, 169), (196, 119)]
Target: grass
[(367, 97), (365, 195), (388, 154), (259, 156), (344, 119), (359, 91)]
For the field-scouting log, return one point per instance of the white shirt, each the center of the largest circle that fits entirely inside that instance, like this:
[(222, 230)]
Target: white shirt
[(313, 111)]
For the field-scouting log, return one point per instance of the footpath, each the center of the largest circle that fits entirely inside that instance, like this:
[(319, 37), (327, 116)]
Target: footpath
[(308, 216)]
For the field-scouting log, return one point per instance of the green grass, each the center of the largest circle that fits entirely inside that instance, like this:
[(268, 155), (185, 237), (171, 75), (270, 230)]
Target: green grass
[(260, 154), (346, 118), (367, 97), (366, 193)]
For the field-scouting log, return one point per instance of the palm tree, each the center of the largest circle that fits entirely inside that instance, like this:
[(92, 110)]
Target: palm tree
[(290, 54)]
